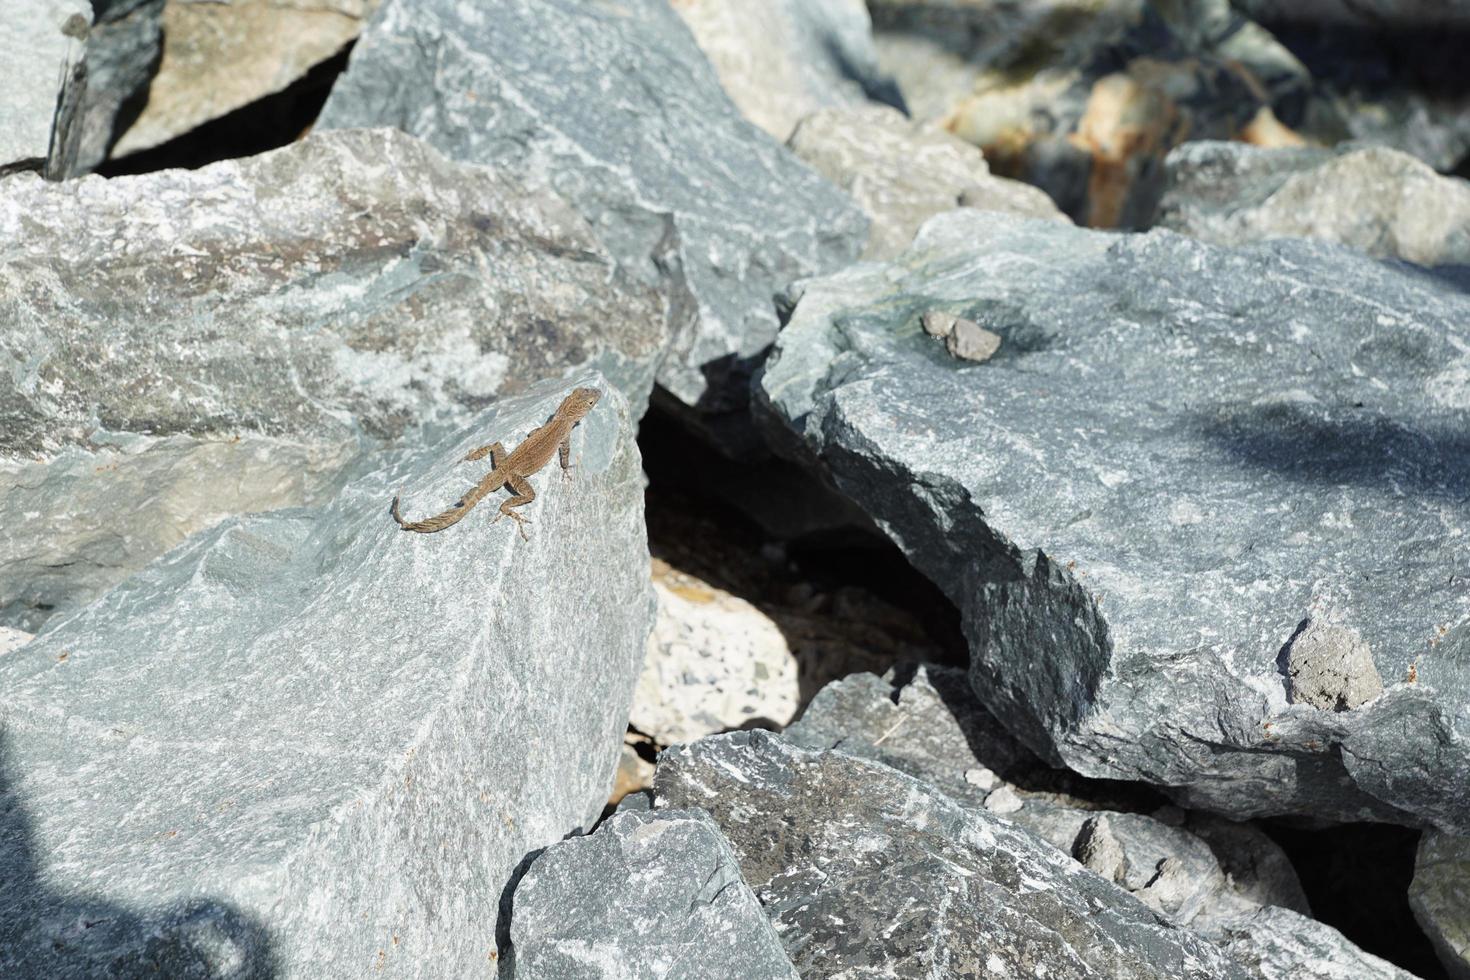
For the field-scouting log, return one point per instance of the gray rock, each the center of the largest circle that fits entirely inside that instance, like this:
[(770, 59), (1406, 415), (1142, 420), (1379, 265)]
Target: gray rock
[(971, 342), (1440, 898), (903, 173), (932, 728), (122, 53), (1375, 199), (867, 872), (780, 60), (44, 52), (218, 57), (1331, 668), (647, 895), (1178, 454), (187, 345), (616, 108), (1279, 944), (308, 744)]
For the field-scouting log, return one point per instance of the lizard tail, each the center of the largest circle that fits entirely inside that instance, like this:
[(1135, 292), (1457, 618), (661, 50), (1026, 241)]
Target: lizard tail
[(439, 521)]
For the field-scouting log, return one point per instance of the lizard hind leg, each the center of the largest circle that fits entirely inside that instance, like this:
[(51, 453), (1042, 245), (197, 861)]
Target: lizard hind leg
[(524, 494), (495, 451)]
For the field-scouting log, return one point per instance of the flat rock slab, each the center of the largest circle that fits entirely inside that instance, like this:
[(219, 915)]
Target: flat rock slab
[(1179, 455), (185, 345), (649, 895), (309, 744), (614, 106), (1377, 200), (865, 871)]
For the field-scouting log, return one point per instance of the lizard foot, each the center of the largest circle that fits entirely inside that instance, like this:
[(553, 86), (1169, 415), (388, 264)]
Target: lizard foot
[(521, 522)]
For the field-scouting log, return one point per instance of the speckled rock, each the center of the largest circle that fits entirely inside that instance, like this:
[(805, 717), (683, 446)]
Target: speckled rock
[(1375, 199), (296, 746), (122, 52), (865, 871), (617, 109), (13, 639), (1085, 98), (187, 345), (1198, 871), (1279, 944), (1330, 667), (903, 173), (715, 662), (1440, 898), (779, 60), (44, 52), (647, 896), (218, 57), (1179, 453)]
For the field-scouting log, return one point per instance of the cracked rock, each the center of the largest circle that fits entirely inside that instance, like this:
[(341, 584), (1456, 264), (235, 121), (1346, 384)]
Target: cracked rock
[(617, 110), (187, 345), (1331, 667), (1177, 450), (864, 870), (296, 746), (649, 894), (44, 51)]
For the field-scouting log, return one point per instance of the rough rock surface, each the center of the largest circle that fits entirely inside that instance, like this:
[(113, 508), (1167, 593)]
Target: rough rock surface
[(122, 52), (865, 871), (1179, 453), (618, 110), (715, 662), (931, 727), (1279, 944), (1085, 98), (1330, 667), (187, 345), (779, 60), (44, 53), (296, 746), (903, 173), (1375, 199), (218, 57), (1440, 898), (648, 895)]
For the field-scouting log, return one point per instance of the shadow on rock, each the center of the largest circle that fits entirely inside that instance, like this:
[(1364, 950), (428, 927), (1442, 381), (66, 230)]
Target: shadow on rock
[(56, 934)]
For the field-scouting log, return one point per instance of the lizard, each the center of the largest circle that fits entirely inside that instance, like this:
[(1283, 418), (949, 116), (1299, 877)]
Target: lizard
[(511, 469)]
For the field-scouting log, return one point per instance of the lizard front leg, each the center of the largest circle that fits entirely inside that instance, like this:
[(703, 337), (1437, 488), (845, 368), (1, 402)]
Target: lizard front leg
[(523, 495), (495, 450), (564, 454)]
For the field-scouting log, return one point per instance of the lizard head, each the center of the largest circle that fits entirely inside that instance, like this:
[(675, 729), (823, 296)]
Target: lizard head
[(580, 402)]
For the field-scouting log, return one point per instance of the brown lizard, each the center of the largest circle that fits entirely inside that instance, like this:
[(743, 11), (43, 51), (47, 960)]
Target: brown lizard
[(512, 469)]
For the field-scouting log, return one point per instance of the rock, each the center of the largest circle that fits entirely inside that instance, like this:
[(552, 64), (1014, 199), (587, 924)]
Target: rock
[(779, 60), (616, 108), (635, 773), (13, 639), (715, 662), (1375, 199), (122, 52), (1179, 452), (866, 871), (188, 345), (45, 55), (1440, 898), (971, 342), (1372, 14), (218, 57), (297, 745), (903, 173), (931, 727), (1279, 944), (647, 895), (1084, 99), (1331, 668)]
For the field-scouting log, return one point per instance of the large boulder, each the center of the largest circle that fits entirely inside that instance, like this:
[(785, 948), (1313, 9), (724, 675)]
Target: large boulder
[(122, 54), (1279, 944), (779, 60), (186, 345), (309, 744), (615, 108), (45, 57), (646, 895), (865, 871), (903, 173), (218, 57), (1182, 461), (1440, 898), (1375, 199)]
